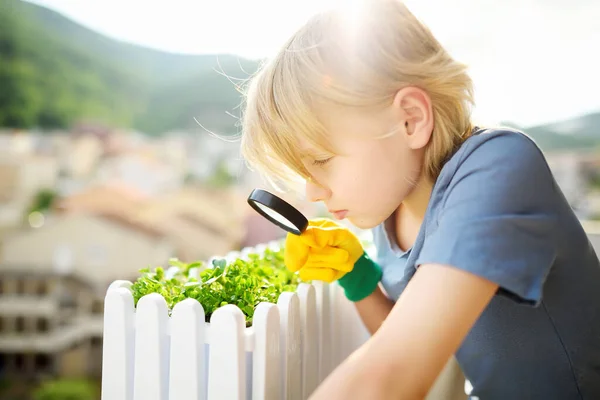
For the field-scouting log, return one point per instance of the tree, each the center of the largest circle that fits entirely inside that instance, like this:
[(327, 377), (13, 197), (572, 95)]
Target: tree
[(43, 201), (222, 177)]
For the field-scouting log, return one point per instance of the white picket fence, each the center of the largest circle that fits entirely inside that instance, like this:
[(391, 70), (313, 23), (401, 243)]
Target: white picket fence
[(289, 349)]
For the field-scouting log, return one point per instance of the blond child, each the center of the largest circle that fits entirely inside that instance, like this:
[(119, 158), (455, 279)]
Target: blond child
[(479, 255)]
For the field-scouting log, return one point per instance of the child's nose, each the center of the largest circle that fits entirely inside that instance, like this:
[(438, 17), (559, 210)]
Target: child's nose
[(316, 192)]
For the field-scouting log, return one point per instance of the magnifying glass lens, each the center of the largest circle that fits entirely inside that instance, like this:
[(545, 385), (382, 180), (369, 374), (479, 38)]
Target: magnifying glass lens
[(276, 216), (278, 211)]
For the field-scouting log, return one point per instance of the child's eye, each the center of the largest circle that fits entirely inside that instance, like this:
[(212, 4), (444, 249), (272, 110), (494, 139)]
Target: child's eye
[(322, 162)]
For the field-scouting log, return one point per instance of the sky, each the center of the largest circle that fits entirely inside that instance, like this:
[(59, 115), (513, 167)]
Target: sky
[(532, 61)]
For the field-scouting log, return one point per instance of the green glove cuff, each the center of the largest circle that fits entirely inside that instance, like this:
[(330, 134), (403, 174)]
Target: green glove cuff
[(362, 280)]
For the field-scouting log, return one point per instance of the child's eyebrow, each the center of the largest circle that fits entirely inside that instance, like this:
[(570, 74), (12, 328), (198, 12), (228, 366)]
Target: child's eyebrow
[(313, 154), (306, 153)]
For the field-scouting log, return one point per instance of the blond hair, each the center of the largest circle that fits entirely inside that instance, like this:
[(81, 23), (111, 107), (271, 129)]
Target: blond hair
[(353, 58)]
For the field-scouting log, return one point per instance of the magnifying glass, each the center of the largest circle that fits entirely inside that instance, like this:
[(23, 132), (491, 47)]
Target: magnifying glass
[(278, 211)]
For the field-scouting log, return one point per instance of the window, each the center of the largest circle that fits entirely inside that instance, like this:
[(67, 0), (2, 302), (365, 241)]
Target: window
[(42, 325), (20, 286), (8, 285), (42, 362), (20, 324), (20, 361), (97, 307), (42, 288), (67, 300)]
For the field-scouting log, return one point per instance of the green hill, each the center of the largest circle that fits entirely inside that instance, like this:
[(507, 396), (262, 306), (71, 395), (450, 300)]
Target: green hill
[(580, 133), (55, 72)]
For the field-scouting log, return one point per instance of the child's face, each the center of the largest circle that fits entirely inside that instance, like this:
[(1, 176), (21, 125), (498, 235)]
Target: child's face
[(372, 176)]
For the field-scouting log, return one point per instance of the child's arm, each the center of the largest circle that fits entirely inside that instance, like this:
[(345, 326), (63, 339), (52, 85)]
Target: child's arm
[(425, 327), (374, 309)]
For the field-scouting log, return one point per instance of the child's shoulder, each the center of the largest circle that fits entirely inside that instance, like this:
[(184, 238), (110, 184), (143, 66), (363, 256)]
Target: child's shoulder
[(489, 149), (501, 168), (501, 140)]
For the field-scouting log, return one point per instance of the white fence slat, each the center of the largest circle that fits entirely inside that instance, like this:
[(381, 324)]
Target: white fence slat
[(349, 329), (344, 339), (119, 284), (346, 328), (227, 356), (310, 335), (290, 345), (266, 368), (359, 332), (151, 374), (335, 329), (118, 345), (328, 337), (324, 317), (187, 375), (341, 325)]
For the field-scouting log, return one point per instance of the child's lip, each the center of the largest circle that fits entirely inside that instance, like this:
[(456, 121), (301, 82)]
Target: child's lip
[(340, 214)]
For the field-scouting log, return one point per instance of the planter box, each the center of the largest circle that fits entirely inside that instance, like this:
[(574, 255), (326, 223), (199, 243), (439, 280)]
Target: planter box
[(289, 349)]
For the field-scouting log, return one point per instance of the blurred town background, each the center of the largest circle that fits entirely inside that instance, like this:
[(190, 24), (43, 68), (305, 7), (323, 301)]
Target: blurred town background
[(107, 164)]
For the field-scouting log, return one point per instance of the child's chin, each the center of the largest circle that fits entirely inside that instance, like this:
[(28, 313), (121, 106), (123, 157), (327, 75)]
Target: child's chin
[(363, 223)]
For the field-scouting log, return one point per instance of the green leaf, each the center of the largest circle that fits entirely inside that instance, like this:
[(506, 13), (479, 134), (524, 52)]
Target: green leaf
[(245, 283)]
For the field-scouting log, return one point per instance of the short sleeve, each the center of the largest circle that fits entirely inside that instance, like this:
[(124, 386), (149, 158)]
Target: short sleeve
[(496, 216)]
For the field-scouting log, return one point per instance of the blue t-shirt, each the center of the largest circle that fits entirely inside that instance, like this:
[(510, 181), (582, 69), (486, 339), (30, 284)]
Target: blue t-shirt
[(497, 212)]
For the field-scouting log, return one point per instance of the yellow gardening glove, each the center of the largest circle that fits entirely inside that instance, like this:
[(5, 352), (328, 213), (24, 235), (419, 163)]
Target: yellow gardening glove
[(325, 251)]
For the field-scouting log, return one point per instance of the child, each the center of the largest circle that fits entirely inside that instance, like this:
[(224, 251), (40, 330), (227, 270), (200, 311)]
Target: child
[(479, 254)]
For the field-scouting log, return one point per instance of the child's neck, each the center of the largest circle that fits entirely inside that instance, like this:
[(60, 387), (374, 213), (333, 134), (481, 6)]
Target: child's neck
[(410, 214), (416, 202)]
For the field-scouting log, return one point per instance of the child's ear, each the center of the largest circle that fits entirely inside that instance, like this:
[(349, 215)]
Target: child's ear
[(415, 115)]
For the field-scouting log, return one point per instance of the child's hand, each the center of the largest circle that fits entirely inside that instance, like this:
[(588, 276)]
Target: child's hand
[(325, 251), (328, 252)]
